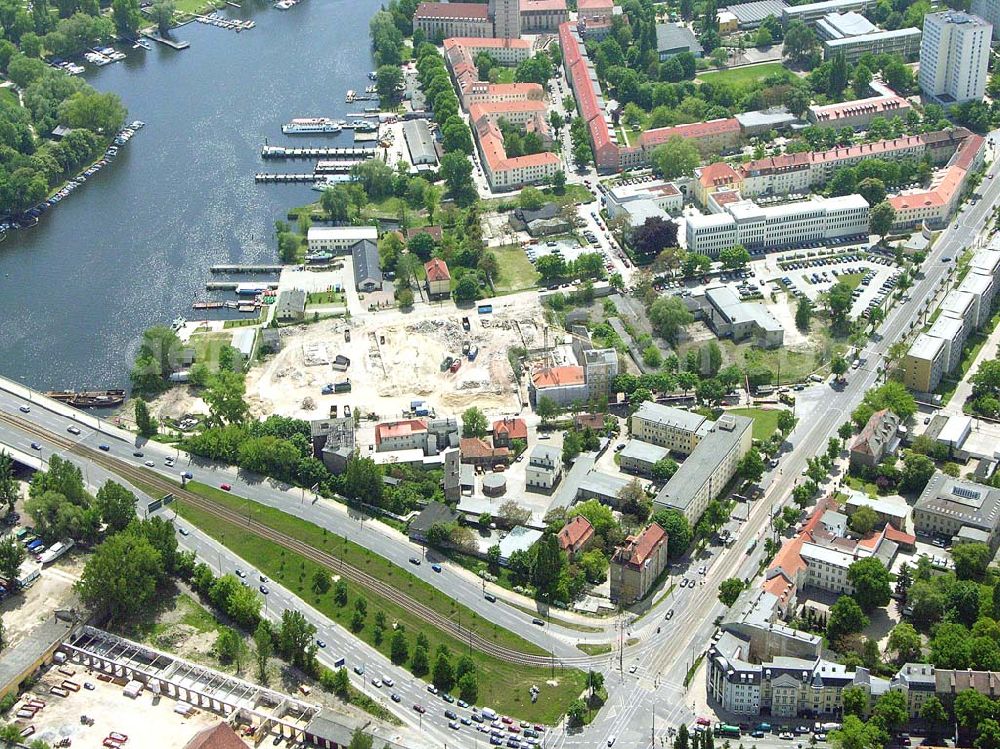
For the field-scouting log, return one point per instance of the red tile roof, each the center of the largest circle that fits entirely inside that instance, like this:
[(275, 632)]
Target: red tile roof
[(452, 10), (904, 539), (473, 447), (719, 174), (637, 549), (515, 429), (219, 736), (872, 105), (434, 231), (595, 4), (557, 377), (695, 130), (399, 429), (575, 533), (540, 5), (940, 195), (570, 47), (437, 270), (484, 42)]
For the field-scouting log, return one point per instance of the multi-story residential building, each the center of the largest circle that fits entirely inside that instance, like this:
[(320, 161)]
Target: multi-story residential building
[(937, 204), (408, 434), (877, 439), (481, 92), (637, 563), (954, 56), (338, 238), (925, 363), (443, 20), (543, 16), (744, 222), (438, 278), (508, 429), (958, 509), (712, 178), (858, 113), (528, 115), (902, 42), (676, 429), (714, 136), (594, 8), (982, 289), (506, 15), (989, 11), (510, 173), (544, 468), (591, 378), (798, 172), (709, 469), (576, 536)]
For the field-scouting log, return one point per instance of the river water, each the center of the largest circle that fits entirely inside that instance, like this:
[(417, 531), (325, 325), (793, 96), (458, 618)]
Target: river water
[(133, 246)]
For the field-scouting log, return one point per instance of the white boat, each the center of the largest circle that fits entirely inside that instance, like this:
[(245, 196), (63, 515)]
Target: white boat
[(310, 125)]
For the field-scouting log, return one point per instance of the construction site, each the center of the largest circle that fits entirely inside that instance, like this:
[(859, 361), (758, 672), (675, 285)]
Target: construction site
[(378, 364)]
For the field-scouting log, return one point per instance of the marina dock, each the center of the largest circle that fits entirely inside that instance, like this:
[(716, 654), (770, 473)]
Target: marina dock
[(285, 178), (320, 152), (246, 269), (169, 42), (233, 285), (336, 167)]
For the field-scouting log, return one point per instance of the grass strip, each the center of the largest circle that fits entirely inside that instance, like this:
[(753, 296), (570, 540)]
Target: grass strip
[(502, 685)]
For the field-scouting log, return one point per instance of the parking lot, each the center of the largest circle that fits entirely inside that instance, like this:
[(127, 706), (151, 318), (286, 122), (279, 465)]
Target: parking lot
[(811, 277)]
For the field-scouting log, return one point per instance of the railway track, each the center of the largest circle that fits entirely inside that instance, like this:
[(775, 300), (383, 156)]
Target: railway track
[(144, 477)]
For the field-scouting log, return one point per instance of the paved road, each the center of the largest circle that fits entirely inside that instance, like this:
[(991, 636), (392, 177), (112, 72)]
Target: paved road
[(643, 702), (653, 695)]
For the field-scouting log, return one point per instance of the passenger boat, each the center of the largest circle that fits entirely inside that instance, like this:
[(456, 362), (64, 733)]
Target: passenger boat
[(310, 125)]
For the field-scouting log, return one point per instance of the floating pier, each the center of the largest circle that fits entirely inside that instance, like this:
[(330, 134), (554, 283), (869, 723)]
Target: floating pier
[(240, 287), (316, 152), (169, 42), (246, 269), (285, 178)]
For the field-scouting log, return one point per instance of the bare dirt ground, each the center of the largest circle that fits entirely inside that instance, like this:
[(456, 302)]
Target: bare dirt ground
[(147, 721), (396, 358)]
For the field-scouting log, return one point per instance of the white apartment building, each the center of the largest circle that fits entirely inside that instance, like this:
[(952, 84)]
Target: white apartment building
[(954, 54), (753, 226), (339, 238), (989, 11)]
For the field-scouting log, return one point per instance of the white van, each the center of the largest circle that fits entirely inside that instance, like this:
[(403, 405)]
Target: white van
[(489, 713)]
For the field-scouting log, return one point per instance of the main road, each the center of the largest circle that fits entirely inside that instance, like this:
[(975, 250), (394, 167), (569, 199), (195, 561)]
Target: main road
[(648, 698)]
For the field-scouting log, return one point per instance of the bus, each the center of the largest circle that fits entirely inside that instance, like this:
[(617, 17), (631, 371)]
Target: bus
[(727, 731), (751, 546)]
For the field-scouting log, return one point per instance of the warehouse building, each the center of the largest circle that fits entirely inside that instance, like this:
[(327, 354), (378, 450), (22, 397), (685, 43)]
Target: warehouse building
[(420, 143), (672, 39), (730, 317), (751, 15)]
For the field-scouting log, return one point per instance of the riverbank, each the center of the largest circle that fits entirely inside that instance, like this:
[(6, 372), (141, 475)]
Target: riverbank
[(134, 249)]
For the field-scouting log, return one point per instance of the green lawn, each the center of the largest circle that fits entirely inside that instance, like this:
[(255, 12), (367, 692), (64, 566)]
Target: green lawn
[(7, 96), (505, 75), (851, 279), (857, 484), (502, 685), (745, 74), (516, 271), (324, 297), (208, 345), (765, 421), (793, 365)]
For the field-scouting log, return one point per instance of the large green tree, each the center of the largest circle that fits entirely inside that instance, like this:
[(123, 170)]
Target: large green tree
[(121, 577)]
